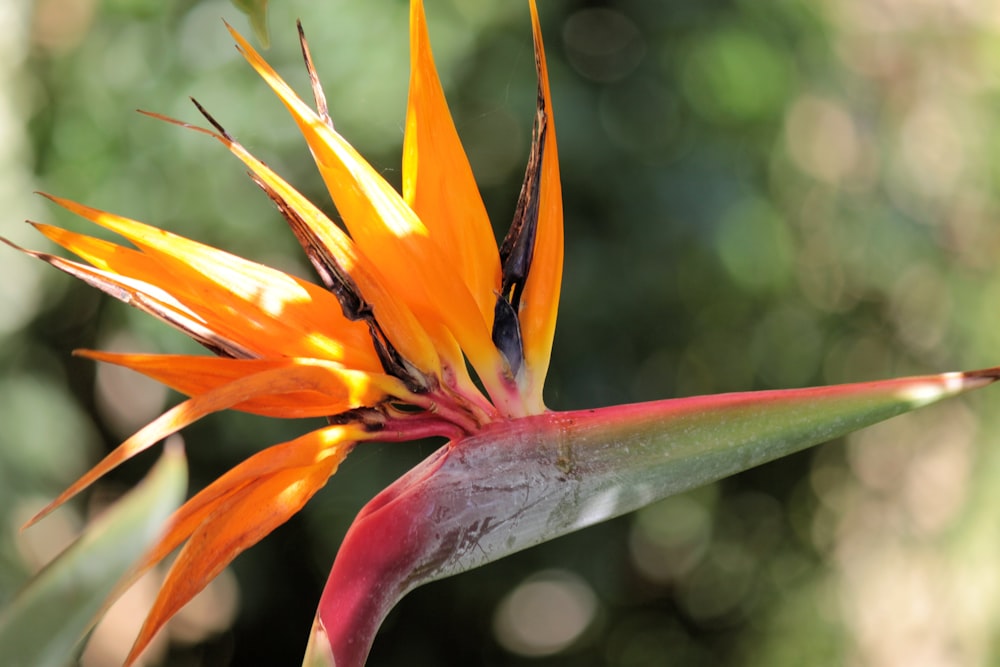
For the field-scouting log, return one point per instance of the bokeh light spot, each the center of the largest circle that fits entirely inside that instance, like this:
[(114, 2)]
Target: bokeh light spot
[(787, 347), (60, 25), (735, 75), (603, 44), (822, 139), (670, 537), (545, 614), (931, 149), (755, 245), (126, 399), (640, 115)]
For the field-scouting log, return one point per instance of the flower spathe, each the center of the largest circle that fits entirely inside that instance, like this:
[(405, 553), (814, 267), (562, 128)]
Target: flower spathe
[(412, 287)]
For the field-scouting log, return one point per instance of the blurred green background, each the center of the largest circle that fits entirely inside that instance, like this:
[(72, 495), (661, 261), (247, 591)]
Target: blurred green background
[(758, 195)]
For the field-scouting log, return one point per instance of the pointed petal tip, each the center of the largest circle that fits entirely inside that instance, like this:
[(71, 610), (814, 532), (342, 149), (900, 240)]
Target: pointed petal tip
[(224, 136), (241, 41), (48, 509), (173, 452), (68, 204), (41, 514), (239, 521)]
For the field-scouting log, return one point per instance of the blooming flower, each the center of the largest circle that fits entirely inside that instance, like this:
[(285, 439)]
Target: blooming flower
[(413, 294), (380, 348)]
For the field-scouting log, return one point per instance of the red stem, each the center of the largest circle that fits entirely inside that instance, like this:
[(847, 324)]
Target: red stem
[(374, 567)]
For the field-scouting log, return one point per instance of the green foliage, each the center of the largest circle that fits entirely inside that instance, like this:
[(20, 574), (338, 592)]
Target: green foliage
[(46, 621), (257, 11)]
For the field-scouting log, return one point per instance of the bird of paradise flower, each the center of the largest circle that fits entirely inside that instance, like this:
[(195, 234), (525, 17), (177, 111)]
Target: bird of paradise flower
[(417, 305)]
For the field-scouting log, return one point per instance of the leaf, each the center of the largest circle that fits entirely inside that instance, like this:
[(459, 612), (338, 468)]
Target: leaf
[(256, 10), (526, 481), (46, 621)]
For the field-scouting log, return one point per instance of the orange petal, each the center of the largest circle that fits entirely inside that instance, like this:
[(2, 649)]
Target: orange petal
[(261, 308), (438, 183), (355, 388), (106, 255), (194, 375), (540, 300), (304, 451), (314, 228), (237, 520), (327, 244), (390, 233), (148, 298)]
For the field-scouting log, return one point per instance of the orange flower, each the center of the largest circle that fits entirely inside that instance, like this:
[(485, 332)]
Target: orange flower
[(415, 293), (413, 289)]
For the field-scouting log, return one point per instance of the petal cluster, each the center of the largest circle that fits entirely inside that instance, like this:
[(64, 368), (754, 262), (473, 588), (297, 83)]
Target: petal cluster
[(419, 324)]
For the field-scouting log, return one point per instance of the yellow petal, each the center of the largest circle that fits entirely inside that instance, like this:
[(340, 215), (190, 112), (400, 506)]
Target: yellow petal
[(237, 519), (438, 183)]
